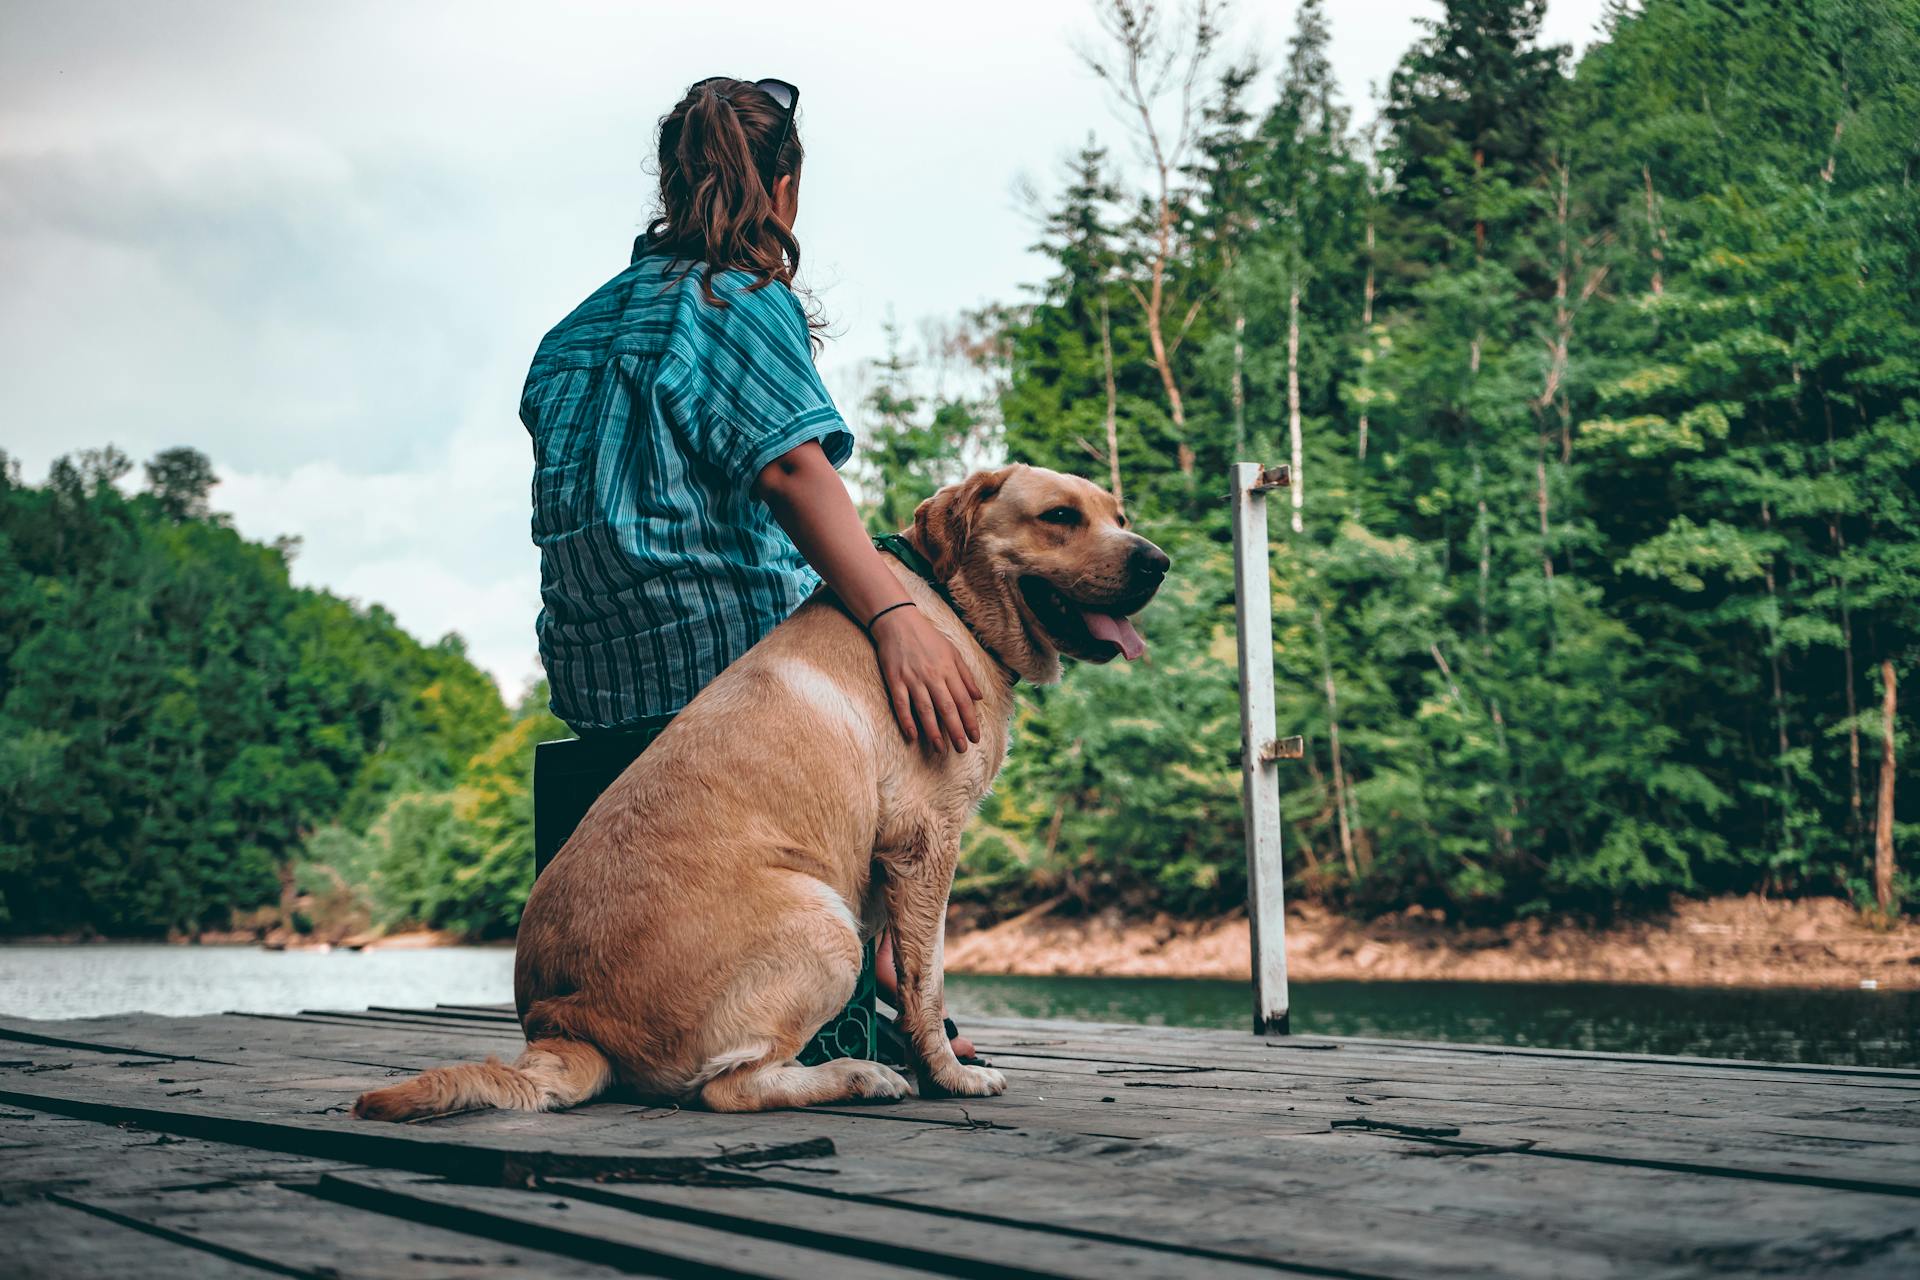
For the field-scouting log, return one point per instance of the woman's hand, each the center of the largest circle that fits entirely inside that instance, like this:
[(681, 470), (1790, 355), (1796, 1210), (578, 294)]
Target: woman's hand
[(926, 680)]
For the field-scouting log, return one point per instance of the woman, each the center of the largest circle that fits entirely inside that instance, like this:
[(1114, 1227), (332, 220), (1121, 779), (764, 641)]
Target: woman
[(685, 498)]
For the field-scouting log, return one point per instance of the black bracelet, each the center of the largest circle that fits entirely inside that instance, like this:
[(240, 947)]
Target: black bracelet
[(883, 613)]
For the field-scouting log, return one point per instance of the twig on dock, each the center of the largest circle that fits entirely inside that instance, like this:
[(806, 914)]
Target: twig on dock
[(1391, 1126)]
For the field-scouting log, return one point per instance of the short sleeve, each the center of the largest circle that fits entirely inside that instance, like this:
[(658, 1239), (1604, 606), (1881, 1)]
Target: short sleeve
[(748, 389)]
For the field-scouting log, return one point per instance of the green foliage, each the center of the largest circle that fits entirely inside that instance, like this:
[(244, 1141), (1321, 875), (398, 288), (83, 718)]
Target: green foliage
[(460, 858), (176, 716), (915, 452), (1594, 595)]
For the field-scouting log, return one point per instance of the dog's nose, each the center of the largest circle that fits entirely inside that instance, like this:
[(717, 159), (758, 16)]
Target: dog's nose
[(1148, 561)]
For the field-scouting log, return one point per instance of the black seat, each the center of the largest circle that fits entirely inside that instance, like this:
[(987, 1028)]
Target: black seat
[(570, 773)]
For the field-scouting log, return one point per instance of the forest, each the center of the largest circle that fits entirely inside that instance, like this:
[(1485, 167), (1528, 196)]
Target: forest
[(1598, 581), (187, 740)]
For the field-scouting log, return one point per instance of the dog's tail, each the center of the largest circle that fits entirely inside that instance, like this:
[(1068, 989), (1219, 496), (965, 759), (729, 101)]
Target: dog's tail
[(549, 1076)]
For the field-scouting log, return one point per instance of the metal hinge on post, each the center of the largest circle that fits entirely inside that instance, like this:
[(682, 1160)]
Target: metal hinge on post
[(1267, 478), (1259, 748)]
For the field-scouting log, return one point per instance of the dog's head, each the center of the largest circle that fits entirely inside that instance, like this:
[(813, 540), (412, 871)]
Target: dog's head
[(1043, 564)]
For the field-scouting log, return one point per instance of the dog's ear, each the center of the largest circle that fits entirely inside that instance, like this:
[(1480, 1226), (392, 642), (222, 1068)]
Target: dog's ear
[(944, 523)]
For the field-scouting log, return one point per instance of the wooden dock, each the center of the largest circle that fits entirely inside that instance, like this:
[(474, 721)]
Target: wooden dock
[(220, 1146)]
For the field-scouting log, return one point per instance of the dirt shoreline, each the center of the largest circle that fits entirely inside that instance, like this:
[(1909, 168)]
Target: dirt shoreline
[(1730, 942), (1727, 942)]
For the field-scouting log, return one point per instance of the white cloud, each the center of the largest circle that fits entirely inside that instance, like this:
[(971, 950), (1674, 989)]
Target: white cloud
[(443, 546)]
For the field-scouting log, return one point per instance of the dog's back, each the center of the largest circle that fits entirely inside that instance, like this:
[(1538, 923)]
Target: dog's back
[(660, 912)]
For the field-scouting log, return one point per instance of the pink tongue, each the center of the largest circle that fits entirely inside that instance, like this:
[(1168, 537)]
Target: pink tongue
[(1115, 630)]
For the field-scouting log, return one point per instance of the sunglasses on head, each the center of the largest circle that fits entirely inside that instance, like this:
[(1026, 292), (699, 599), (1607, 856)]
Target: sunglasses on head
[(786, 97)]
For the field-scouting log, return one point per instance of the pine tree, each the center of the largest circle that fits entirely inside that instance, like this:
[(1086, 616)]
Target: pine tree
[(1467, 114), (1078, 396)]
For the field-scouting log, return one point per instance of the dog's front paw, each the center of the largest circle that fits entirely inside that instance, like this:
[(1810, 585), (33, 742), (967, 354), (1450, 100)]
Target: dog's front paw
[(887, 1084), (972, 1082), (875, 1081)]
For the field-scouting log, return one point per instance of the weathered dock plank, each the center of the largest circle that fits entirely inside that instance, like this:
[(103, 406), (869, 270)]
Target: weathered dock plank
[(580, 1228), (1118, 1151), (80, 1199), (52, 1241)]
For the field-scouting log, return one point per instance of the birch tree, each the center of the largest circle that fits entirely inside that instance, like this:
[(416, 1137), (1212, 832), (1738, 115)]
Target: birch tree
[(1156, 69)]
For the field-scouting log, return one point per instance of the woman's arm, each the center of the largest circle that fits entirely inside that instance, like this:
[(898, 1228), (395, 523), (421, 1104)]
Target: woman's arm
[(924, 673)]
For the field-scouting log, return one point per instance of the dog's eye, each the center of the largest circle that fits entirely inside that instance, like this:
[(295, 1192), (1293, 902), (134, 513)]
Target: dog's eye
[(1061, 515)]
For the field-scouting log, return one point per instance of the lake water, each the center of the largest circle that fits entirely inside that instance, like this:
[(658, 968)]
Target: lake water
[(1849, 1028)]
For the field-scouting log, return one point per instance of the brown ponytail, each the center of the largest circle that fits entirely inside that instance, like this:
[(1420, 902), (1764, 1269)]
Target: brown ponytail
[(715, 207)]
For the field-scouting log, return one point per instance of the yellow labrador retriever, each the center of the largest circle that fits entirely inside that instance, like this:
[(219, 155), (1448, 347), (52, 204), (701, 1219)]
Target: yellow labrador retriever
[(706, 918)]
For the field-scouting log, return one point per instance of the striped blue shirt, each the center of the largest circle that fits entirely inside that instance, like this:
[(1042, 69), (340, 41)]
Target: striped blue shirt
[(652, 412)]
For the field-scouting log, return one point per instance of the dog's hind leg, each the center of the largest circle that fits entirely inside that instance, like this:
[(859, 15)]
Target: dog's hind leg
[(769, 1086), (805, 973)]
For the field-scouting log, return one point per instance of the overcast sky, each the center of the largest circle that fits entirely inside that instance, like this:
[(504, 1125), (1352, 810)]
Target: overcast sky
[(320, 241)]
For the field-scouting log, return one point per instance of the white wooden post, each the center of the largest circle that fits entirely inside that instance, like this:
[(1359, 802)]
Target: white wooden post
[(1260, 786)]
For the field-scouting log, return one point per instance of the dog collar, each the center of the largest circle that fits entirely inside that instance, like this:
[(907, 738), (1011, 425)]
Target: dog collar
[(897, 546)]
